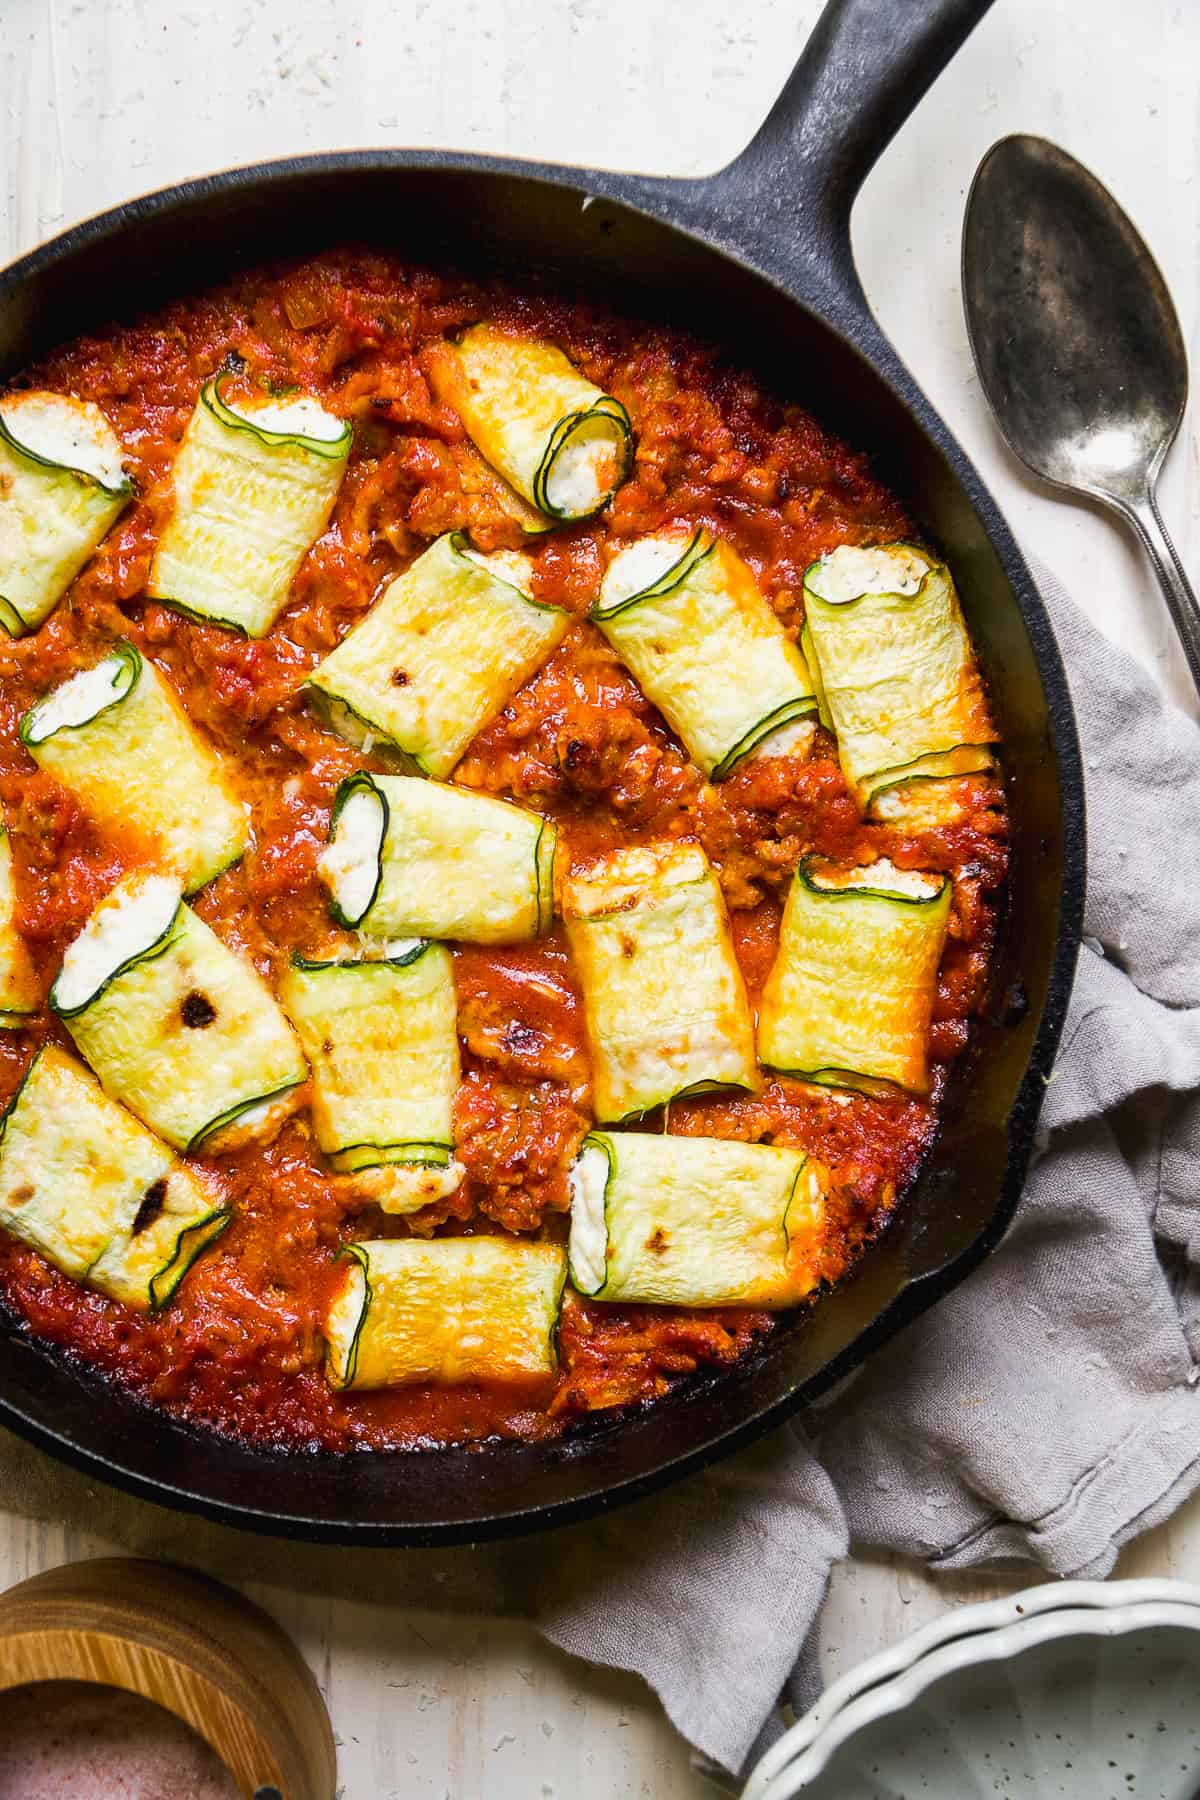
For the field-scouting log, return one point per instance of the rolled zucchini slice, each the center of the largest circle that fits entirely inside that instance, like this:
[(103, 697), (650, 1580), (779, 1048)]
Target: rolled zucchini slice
[(413, 858), (664, 1000), (255, 483), (20, 994), (446, 1310), (563, 444), (178, 1028), (681, 1221), (95, 1192), (895, 667), (63, 489), (687, 618), (849, 999), (449, 643), (380, 1038), (118, 738)]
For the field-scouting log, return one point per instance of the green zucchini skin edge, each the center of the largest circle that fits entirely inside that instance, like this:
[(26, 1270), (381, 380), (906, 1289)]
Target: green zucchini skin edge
[(390, 1156), (694, 552), (607, 407), (159, 1300), (685, 1093), (151, 953), (887, 779), (124, 490), (935, 564), (460, 543), (124, 684), (783, 715), (360, 782), (34, 1060), (597, 1140), (808, 864), (787, 1210), (544, 888), (387, 748), (233, 1114), (329, 449), (317, 967), (353, 1253)]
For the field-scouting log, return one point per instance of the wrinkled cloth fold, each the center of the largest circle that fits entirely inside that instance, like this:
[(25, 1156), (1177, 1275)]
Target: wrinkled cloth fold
[(1044, 1412)]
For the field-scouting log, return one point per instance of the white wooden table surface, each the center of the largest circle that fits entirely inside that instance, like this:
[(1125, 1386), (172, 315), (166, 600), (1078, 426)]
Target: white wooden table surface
[(101, 99)]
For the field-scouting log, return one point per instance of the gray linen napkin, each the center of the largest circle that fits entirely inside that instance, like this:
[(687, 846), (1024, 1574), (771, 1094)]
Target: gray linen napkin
[(1044, 1411)]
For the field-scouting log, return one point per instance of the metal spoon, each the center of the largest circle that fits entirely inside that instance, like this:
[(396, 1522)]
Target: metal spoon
[(1077, 342)]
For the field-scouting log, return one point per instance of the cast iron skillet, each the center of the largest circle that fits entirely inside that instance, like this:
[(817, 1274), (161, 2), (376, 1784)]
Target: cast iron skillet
[(759, 257)]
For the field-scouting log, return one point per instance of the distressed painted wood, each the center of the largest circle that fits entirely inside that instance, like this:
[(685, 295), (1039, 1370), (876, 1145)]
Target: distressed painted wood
[(105, 98)]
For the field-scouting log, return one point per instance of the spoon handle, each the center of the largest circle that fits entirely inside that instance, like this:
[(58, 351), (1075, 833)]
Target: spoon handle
[(1144, 516)]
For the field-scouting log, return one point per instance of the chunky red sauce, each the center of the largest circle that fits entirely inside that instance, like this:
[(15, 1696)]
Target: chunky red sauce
[(239, 1349)]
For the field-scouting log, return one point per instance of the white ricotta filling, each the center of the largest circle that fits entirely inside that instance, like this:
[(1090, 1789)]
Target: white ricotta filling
[(588, 1248), (349, 863), (509, 565), (60, 429), (78, 699), (585, 469), (793, 739), (639, 566), (849, 572), (407, 1187), (885, 877), (134, 916), (296, 415)]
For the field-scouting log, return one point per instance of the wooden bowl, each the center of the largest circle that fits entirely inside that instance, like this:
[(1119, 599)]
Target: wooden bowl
[(194, 1647)]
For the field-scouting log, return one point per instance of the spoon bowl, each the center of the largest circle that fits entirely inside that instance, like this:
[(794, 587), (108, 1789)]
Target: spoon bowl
[(1077, 342)]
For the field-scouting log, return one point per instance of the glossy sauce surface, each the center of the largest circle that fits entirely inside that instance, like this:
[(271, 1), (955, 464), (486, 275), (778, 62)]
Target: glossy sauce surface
[(239, 1349)]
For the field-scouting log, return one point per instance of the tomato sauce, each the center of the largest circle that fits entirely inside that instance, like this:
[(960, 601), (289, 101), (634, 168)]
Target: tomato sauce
[(239, 1350)]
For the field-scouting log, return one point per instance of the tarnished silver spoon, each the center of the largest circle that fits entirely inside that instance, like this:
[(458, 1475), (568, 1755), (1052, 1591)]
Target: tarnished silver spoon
[(1077, 342)]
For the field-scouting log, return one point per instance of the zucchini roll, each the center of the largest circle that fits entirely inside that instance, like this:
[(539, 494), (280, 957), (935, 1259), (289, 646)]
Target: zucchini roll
[(445, 1310), (64, 488), (118, 738), (555, 437), (895, 669), (19, 990), (176, 1026), (381, 1040), (687, 618), (449, 643), (255, 483), (414, 858), (681, 1221), (666, 1006), (849, 999), (95, 1192)]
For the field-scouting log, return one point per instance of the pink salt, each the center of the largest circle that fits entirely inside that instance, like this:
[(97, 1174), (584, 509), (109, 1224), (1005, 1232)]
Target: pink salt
[(76, 1740)]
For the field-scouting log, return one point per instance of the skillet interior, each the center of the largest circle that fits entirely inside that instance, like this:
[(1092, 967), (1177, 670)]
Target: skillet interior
[(461, 210)]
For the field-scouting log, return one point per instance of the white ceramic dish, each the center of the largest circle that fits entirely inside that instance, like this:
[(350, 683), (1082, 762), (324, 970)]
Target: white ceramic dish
[(1048, 1692)]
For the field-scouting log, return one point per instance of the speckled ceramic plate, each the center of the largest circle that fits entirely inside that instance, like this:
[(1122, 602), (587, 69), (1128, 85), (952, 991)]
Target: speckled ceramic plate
[(1071, 1690)]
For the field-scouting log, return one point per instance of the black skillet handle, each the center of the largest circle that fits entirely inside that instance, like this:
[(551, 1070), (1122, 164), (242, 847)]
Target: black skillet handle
[(784, 203)]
